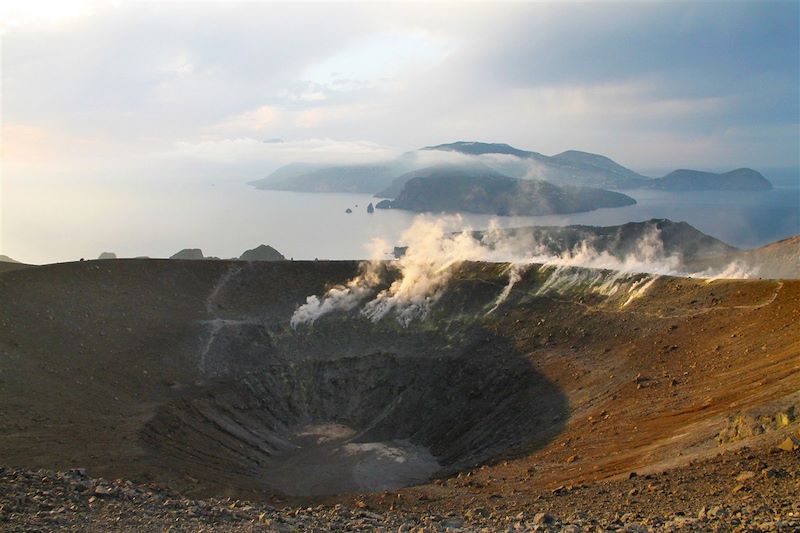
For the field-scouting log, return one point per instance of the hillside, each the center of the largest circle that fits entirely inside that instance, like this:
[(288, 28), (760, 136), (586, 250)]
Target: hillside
[(445, 189)]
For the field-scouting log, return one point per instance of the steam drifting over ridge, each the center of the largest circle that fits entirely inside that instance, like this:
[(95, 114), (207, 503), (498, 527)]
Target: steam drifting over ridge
[(434, 248)]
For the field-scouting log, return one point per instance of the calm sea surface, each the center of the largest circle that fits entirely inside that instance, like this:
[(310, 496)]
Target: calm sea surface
[(62, 223)]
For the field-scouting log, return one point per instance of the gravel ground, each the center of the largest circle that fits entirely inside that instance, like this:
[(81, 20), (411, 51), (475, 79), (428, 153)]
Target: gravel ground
[(743, 491)]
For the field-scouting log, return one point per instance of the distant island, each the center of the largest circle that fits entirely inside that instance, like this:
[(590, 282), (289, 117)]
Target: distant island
[(386, 179), (572, 167), (188, 254), (262, 252), (742, 179), (301, 177), (453, 189)]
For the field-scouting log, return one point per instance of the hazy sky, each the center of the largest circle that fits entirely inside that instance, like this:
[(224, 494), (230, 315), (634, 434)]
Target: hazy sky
[(120, 118), (130, 88)]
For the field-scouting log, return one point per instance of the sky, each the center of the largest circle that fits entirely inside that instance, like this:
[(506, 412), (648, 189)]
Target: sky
[(135, 91), (183, 86)]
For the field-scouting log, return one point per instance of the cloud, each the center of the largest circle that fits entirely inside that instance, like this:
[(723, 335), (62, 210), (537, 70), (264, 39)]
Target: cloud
[(248, 150), (646, 83), (255, 121)]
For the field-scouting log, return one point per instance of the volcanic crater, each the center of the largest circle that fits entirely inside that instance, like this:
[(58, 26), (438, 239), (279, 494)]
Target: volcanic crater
[(190, 374)]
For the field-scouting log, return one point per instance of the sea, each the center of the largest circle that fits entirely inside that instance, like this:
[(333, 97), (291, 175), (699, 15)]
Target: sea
[(65, 222)]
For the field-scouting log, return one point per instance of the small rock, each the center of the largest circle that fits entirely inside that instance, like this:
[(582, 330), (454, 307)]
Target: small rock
[(543, 519), (773, 473), (453, 523), (745, 476), (103, 490), (788, 445)]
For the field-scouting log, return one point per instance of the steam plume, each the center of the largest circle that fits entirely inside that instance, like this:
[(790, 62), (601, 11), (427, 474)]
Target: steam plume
[(433, 248)]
